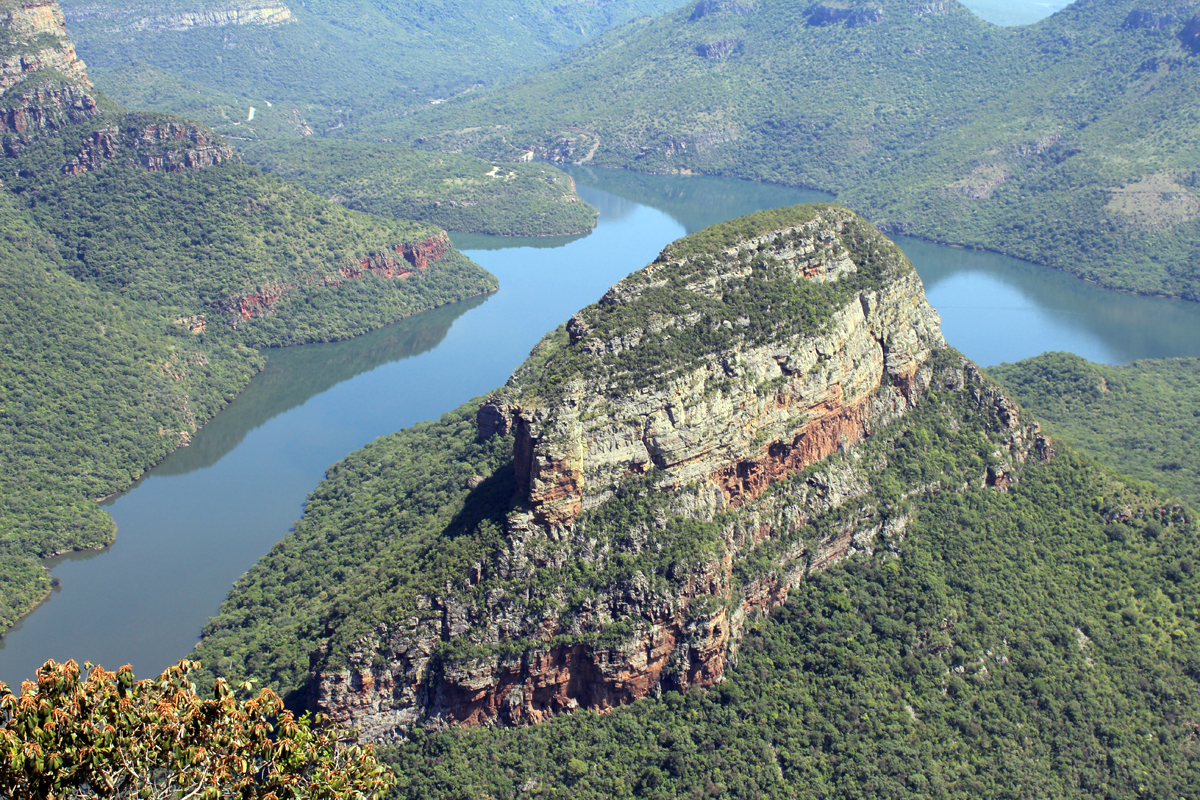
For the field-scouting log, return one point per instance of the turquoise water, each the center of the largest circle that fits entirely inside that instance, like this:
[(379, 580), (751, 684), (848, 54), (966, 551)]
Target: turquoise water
[(210, 511)]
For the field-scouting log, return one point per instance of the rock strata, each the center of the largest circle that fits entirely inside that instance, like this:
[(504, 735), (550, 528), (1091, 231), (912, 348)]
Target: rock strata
[(700, 440), (397, 263), (33, 37), (149, 18)]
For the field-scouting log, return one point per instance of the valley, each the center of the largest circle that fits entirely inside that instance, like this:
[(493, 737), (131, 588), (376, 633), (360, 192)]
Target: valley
[(638, 482)]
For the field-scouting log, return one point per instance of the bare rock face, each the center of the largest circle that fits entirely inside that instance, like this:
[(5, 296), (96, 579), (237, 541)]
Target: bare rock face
[(680, 449), (156, 144), (150, 17), (33, 37)]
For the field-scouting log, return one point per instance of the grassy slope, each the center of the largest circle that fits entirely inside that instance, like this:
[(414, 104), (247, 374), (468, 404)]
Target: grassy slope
[(1141, 418), (1068, 142)]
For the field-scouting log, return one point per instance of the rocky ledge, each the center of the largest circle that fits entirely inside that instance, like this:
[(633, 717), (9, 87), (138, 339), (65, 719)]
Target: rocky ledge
[(33, 37), (687, 450), (152, 18)]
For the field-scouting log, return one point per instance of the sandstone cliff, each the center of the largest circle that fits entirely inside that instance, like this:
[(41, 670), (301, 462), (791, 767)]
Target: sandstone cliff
[(685, 451), (33, 37), (44, 89), (153, 18)]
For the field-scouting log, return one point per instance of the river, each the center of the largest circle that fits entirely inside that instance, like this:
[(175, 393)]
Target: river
[(210, 511)]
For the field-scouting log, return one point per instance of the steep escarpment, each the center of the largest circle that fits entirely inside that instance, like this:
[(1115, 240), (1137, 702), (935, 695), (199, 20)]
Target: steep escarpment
[(667, 466), (153, 18), (33, 38), (923, 117)]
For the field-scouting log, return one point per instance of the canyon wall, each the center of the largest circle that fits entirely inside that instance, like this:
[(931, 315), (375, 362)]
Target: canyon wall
[(153, 19), (664, 502)]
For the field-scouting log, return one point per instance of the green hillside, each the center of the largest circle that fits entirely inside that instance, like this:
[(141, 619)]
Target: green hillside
[(1036, 640), (332, 62), (1021, 646), (1142, 418), (1069, 142), (455, 192), (142, 265)]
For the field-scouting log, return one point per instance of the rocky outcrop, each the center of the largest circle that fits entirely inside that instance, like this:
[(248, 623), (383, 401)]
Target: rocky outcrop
[(398, 263), (156, 144), (33, 37), (830, 15), (45, 107), (150, 18), (693, 491)]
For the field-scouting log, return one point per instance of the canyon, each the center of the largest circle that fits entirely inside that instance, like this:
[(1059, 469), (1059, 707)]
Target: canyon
[(755, 455)]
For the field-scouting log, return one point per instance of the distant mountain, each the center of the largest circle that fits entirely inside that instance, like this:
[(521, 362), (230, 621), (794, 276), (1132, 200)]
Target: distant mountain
[(1071, 142), (324, 63), (141, 265)]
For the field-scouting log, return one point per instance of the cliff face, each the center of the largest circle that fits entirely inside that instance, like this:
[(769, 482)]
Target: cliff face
[(46, 91), (33, 37), (685, 452), (149, 18)]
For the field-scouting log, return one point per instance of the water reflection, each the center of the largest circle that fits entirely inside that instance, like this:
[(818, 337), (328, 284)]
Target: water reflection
[(293, 375), (694, 201), (995, 308)]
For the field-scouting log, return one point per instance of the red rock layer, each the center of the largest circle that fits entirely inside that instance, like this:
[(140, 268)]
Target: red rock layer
[(394, 264), (833, 426), (547, 682)]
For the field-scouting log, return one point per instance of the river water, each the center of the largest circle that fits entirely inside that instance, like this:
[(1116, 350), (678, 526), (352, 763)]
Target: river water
[(211, 510)]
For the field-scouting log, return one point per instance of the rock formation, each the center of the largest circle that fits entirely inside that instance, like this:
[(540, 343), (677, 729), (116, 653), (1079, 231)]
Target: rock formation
[(398, 263), (46, 90), (685, 451), (33, 37), (152, 18)]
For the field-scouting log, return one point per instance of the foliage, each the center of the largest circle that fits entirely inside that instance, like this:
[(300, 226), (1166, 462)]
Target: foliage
[(708, 293), (120, 326), (338, 61), (111, 736), (1071, 142), (456, 192), (1020, 646), (91, 394), (399, 513), (1141, 418)]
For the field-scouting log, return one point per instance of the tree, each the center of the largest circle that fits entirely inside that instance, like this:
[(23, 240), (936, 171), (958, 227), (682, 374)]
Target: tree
[(111, 736)]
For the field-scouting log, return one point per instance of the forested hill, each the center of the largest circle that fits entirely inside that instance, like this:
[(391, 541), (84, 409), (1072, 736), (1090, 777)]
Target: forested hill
[(1071, 142), (141, 265), (972, 610), (1141, 418), (329, 62)]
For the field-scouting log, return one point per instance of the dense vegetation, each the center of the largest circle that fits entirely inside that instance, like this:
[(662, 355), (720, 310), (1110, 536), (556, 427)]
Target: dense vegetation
[(336, 62), (1020, 646), (1142, 418), (109, 735), (131, 298), (455, 192), (1070, 142), (91, 394), (1028, 643)]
